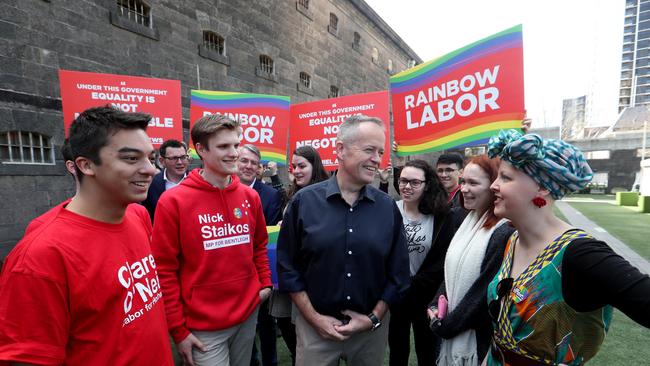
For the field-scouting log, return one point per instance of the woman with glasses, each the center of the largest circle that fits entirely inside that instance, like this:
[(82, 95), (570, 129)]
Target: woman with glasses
[(551, 301), (472, 260), (428, 230)]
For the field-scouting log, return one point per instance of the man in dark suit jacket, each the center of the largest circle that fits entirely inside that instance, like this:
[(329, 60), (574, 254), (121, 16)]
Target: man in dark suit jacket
[(248, 166), (174, 160)]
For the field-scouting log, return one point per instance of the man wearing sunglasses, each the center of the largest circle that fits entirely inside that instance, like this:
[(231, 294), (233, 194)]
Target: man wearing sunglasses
[(174, 160)]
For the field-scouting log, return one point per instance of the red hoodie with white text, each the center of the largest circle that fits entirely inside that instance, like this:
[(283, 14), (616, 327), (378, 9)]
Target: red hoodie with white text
[(210, 247)]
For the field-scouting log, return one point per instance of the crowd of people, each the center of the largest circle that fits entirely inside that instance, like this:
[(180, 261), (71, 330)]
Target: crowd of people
[(471, 257)]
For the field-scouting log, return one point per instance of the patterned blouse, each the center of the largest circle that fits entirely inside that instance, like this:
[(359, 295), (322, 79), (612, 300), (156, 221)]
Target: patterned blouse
[(533, 319)]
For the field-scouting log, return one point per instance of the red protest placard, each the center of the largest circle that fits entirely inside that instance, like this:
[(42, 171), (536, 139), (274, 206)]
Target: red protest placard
[(317, 123), (160, 98), (462, 98), (264, 118)]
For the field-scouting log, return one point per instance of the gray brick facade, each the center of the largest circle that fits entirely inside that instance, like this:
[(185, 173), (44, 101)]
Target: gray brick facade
[(39, 37)]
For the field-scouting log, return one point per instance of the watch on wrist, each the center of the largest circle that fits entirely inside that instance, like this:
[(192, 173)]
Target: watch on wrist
[(376, 323)]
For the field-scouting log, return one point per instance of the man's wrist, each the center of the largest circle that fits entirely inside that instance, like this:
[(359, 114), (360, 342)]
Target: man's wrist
[(375, 322)]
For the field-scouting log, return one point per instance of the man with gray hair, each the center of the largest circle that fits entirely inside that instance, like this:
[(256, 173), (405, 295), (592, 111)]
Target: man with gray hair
[(248, 165), (342, 255)]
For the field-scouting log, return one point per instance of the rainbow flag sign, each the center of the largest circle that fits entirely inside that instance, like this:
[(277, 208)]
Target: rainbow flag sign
[(272, 252), (461, 98), (264, 118)]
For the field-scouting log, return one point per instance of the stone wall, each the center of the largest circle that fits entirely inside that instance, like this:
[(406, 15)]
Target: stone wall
[(37, 38)]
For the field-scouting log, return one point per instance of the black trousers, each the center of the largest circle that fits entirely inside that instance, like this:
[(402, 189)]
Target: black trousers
[(411, 313)]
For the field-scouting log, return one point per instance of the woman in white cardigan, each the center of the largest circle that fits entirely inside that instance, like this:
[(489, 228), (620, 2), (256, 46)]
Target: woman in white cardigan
[(472, 260)]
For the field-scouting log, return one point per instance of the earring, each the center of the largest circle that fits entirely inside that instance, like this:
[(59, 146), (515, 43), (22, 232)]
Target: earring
[(539, 202)]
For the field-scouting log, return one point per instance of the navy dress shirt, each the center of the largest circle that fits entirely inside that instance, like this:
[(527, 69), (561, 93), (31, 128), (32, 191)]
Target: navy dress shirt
[(344, 257)]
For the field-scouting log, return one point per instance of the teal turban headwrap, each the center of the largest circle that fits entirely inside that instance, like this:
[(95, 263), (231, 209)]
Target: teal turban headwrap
[(554, 164)]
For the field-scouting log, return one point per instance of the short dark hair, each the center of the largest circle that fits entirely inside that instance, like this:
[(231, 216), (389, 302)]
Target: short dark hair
[(91, 130), (318, 172), (451, 158), (171, 143), (209, 125), (434, 197), (66, 151)]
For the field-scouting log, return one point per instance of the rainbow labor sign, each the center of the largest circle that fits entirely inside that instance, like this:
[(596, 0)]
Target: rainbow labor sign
[(160, 98), (264, 118), (317, 123), (462, 98)]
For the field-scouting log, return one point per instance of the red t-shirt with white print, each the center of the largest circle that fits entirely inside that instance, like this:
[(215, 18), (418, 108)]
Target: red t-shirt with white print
[(76, 291)]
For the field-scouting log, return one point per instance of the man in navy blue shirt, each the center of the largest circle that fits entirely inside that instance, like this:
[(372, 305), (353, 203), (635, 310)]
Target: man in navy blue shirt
[(342, 255)]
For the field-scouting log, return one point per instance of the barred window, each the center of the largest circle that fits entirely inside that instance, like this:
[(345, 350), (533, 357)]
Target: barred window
[(266, 64), (135, 10), (305, 80), (334, 91), (214, 42), (334, 23), (22, 147), (357, 40), (304, 3)]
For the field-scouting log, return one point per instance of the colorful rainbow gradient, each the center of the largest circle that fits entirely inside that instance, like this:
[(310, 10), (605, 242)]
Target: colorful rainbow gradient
[(469, 133), (231, 102)]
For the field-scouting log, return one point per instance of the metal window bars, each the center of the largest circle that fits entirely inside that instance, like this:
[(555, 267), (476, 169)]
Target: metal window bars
[(266, 64), (20, 147), (334, 22), (305, 80), (135, 10), (334, 91), (214, 42)]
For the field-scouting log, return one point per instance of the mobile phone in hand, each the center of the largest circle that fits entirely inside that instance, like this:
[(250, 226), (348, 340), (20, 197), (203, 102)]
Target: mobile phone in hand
[(442, 307)]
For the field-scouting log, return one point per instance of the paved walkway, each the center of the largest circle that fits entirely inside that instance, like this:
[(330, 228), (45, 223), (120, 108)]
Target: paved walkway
[(577, 219)]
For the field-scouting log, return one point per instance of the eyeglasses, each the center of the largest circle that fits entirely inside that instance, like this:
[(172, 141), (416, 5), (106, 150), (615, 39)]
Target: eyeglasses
[(445, 170), (415, 183), (503, 288), (181, 158)]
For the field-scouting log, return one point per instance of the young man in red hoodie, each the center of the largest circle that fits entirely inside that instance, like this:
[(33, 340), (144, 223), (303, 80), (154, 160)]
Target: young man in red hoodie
[(209, 240), (81, 287)]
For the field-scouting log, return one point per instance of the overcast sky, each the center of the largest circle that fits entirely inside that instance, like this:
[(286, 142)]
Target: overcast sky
[(571, 47)]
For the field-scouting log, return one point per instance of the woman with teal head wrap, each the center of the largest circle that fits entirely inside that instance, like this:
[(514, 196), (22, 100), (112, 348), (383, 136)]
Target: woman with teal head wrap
[(551, 301)]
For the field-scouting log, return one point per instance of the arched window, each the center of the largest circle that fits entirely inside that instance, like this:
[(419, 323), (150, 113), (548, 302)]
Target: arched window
[(214, 42), (305, 79), (389, 68), (266, 64), (356, 42), (23, 147), (375, 55), (334, 22), (333, 27), (136, 10)]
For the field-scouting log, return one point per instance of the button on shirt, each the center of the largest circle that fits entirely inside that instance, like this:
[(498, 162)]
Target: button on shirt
[(344, 257)]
